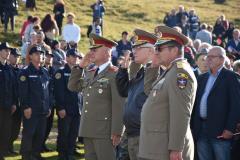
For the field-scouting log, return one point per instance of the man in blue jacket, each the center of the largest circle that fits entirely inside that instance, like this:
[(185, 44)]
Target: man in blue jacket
[(35, 102), (67, 108), (7, 99), (134, 88)]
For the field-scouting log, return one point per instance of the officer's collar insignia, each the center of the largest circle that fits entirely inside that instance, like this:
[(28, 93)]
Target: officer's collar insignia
[(102, 80), (182, 80), (22, 78), (58, 76)]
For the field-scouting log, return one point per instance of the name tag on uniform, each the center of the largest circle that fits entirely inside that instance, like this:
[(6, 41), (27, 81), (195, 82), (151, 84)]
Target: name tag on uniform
[(67, 74), (32, 76), (0, 70)]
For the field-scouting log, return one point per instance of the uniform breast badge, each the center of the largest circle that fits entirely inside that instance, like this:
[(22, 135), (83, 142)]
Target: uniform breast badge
[(58, 76), (22, 78)]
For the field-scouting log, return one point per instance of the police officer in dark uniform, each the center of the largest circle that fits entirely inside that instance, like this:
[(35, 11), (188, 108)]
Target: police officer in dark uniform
[(34, 83), (67, 108), (7, 98), (48, 65), (17, 116)]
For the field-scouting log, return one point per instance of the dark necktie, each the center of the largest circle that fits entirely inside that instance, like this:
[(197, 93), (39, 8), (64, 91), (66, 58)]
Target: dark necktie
[(96, 72)]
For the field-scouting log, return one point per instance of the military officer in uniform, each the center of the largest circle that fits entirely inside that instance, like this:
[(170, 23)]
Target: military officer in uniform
[(101, 120), (17, 116), (165, 129), (34, 97), (7, 98), (67, 108)]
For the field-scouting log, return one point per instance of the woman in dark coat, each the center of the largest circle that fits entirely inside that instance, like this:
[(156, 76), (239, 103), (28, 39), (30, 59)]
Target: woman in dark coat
[(59, 10)]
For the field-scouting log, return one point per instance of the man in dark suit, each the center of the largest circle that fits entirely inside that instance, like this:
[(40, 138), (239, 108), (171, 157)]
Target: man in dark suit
[(217, 110)]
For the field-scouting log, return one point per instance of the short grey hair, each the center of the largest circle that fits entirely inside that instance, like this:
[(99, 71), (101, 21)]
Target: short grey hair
[(236, 65), (221, 51)]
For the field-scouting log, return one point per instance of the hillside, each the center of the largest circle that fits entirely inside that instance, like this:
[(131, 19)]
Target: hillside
[(127, 14)]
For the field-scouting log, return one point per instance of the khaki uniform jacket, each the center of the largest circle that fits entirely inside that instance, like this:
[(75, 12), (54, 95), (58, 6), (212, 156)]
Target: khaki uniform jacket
[(102, 104), (165, 118)]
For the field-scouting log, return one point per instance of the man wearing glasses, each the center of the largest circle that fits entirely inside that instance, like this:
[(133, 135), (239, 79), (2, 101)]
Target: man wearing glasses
[(216, 110), (165, 119)]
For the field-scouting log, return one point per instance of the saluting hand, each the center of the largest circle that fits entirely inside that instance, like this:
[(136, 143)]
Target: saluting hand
[(62, 113), (176, 155), (28, 113), (126, 61), (86, 60), (115, 139)]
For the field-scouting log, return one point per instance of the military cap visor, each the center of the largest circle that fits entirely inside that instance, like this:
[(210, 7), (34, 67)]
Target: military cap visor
[(15, 52), (144, 38), (5, 45), (98, 41), (169, 35), (36, 49), (73, 52)]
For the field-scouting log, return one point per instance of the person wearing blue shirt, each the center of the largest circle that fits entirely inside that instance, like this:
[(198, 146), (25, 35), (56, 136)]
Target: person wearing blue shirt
[(34, 84), (67, 108), (7, 98), (216, 111)]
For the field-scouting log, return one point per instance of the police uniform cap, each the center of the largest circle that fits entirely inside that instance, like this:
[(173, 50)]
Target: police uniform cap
[(98, 41), (5, 45), (73, 52), (170, 35), (15, 52), (144, 38), (48, 53), (36, 49)]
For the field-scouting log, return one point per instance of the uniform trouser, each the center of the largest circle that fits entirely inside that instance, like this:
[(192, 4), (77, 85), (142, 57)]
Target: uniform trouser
[(99, 149), (48, 126), (6, 21), (67, 134), (133, 147), (33, 134), (5, 130), (16, 125)]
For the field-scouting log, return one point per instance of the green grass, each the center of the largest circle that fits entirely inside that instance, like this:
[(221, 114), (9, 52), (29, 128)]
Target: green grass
[(49, 155), (127, 15)]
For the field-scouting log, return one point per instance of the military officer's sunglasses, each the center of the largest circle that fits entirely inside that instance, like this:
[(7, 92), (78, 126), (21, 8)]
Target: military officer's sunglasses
[(160, 49)]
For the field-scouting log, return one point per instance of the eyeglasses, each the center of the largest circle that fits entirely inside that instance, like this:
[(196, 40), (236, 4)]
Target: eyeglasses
[(160, 49)]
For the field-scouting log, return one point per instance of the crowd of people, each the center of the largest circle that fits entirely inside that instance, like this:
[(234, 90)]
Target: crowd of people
[(171, 94)]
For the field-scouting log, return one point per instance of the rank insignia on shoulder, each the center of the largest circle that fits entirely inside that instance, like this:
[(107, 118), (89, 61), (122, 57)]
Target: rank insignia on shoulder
[(182, 80), (22, 78), (180, 64), (58, 75)]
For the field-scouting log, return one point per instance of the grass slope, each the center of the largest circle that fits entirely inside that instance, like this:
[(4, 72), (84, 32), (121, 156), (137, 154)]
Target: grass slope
[(127, 15)]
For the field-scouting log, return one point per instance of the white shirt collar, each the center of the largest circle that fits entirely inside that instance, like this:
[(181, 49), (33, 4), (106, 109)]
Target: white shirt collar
[(103, 66)]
